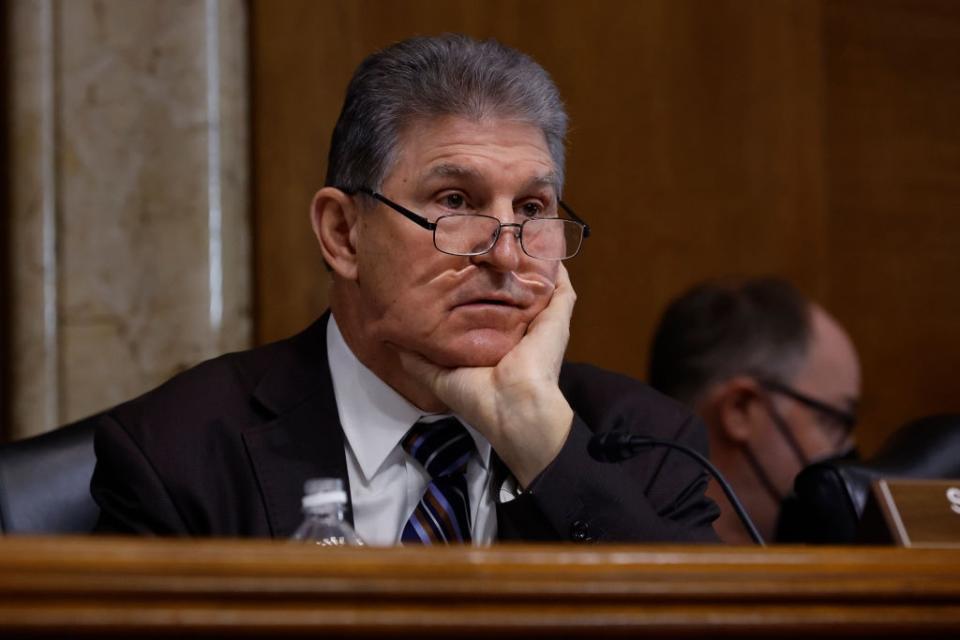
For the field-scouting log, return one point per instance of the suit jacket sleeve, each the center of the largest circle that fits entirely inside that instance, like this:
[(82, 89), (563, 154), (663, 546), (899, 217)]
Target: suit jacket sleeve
[(174, 461), (656, 497)]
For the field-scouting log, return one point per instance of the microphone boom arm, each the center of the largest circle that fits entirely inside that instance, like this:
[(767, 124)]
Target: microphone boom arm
[(626, 442)]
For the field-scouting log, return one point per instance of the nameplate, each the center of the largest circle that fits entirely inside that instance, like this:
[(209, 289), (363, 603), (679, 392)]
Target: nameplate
[(920, 513)]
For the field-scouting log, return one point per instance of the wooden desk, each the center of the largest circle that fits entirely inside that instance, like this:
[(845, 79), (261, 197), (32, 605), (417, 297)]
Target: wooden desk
[(100, 586)]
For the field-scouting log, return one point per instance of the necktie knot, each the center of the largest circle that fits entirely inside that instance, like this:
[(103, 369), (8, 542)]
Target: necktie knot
[(443, 447)]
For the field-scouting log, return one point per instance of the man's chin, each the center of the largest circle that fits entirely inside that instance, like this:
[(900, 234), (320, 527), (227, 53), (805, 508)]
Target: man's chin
[(477, 349)]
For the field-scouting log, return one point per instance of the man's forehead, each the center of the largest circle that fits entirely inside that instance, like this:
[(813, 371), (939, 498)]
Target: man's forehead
[(436, 147)]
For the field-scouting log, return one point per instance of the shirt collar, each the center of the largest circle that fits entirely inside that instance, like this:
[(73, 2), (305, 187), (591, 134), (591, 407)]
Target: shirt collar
[(373, 415)]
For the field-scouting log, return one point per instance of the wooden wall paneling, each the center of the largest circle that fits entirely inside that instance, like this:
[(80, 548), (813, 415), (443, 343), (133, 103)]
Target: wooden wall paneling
[(695, 152), (6, 413), (298, 75), (893, 158)]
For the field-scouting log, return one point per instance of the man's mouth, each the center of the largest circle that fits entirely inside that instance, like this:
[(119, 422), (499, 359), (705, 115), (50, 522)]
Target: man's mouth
[(479, 289), (499, 303), (489, 301)]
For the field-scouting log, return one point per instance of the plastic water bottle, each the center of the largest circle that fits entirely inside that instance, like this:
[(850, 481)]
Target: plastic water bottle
[(324, 509)]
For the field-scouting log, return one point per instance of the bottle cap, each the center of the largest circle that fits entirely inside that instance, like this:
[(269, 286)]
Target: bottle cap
[(323, 491)]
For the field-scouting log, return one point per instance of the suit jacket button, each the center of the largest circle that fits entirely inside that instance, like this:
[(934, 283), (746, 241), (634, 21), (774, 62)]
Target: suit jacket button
[(580, 531)]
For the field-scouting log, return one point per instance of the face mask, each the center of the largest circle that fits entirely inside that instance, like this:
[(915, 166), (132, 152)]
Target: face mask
[(758, 469)]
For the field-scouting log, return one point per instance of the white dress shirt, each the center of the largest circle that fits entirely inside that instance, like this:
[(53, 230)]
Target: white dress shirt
[(386, 483)]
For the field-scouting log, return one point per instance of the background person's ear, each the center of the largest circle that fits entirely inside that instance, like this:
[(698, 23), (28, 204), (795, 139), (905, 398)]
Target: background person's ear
[(735, 408), (333, 216)]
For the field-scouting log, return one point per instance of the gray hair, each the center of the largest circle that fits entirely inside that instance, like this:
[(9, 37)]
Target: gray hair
[(428, 77), (721, 329)]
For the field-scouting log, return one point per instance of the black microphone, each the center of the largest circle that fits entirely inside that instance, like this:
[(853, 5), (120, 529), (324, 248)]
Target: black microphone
[(617, 446)]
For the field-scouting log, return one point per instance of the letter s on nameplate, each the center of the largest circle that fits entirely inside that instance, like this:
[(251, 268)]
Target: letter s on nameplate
[(953, 495)]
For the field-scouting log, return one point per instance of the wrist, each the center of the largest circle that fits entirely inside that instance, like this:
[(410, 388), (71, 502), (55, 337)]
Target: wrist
[(539, 434)]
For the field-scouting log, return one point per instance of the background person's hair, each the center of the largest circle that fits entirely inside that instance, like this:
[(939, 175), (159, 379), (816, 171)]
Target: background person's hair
[(720, 329), (427, 77)]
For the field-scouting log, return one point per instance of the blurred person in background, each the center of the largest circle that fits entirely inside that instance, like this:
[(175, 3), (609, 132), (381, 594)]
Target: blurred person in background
[(775, 378)]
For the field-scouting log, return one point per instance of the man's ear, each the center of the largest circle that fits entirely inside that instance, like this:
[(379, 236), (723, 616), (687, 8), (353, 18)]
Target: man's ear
[(734, 408), (333, 215)]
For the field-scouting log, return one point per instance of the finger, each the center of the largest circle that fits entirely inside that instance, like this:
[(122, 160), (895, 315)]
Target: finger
[(550, 330), (565, 292), (560, 307)]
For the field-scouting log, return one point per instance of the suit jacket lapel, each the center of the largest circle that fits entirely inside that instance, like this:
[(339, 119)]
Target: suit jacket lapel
[(304, 438)]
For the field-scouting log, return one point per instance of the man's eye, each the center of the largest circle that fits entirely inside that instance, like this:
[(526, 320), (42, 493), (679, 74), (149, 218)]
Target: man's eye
[(532, 209), (453, 201)]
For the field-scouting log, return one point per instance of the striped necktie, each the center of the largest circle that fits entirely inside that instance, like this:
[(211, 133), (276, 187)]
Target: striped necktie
[(442, 516)]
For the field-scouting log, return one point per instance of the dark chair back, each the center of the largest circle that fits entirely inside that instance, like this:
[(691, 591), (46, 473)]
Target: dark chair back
[(45, 482), (829, 496)]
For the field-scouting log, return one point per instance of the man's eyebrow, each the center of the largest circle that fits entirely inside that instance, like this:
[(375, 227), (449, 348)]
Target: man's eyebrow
[(551, 180), (449, 170)]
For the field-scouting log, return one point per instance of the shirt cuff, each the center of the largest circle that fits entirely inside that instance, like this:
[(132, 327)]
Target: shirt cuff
[(509, 490)]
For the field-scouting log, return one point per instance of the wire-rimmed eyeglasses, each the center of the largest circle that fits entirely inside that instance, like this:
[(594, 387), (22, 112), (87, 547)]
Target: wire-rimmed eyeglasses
[(470, 234)]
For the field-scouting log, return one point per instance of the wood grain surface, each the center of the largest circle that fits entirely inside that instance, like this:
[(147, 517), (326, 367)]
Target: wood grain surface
[(920, 513), (99, 586)]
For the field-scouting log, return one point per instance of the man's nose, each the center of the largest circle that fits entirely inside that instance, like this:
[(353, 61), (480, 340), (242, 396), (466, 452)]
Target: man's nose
[(506, 253)]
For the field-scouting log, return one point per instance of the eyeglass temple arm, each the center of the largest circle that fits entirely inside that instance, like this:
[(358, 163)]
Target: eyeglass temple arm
[(410, 215), (572, 214), (848, 419)]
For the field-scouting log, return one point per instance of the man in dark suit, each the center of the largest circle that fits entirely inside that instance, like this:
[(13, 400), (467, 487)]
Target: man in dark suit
[(442, 226)]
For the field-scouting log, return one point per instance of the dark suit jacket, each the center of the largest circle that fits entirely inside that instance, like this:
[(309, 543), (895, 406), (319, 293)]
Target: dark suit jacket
[(224, 448)]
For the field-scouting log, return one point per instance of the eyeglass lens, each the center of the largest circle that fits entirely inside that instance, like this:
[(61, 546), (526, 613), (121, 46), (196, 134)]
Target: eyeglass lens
[(544, 238)]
